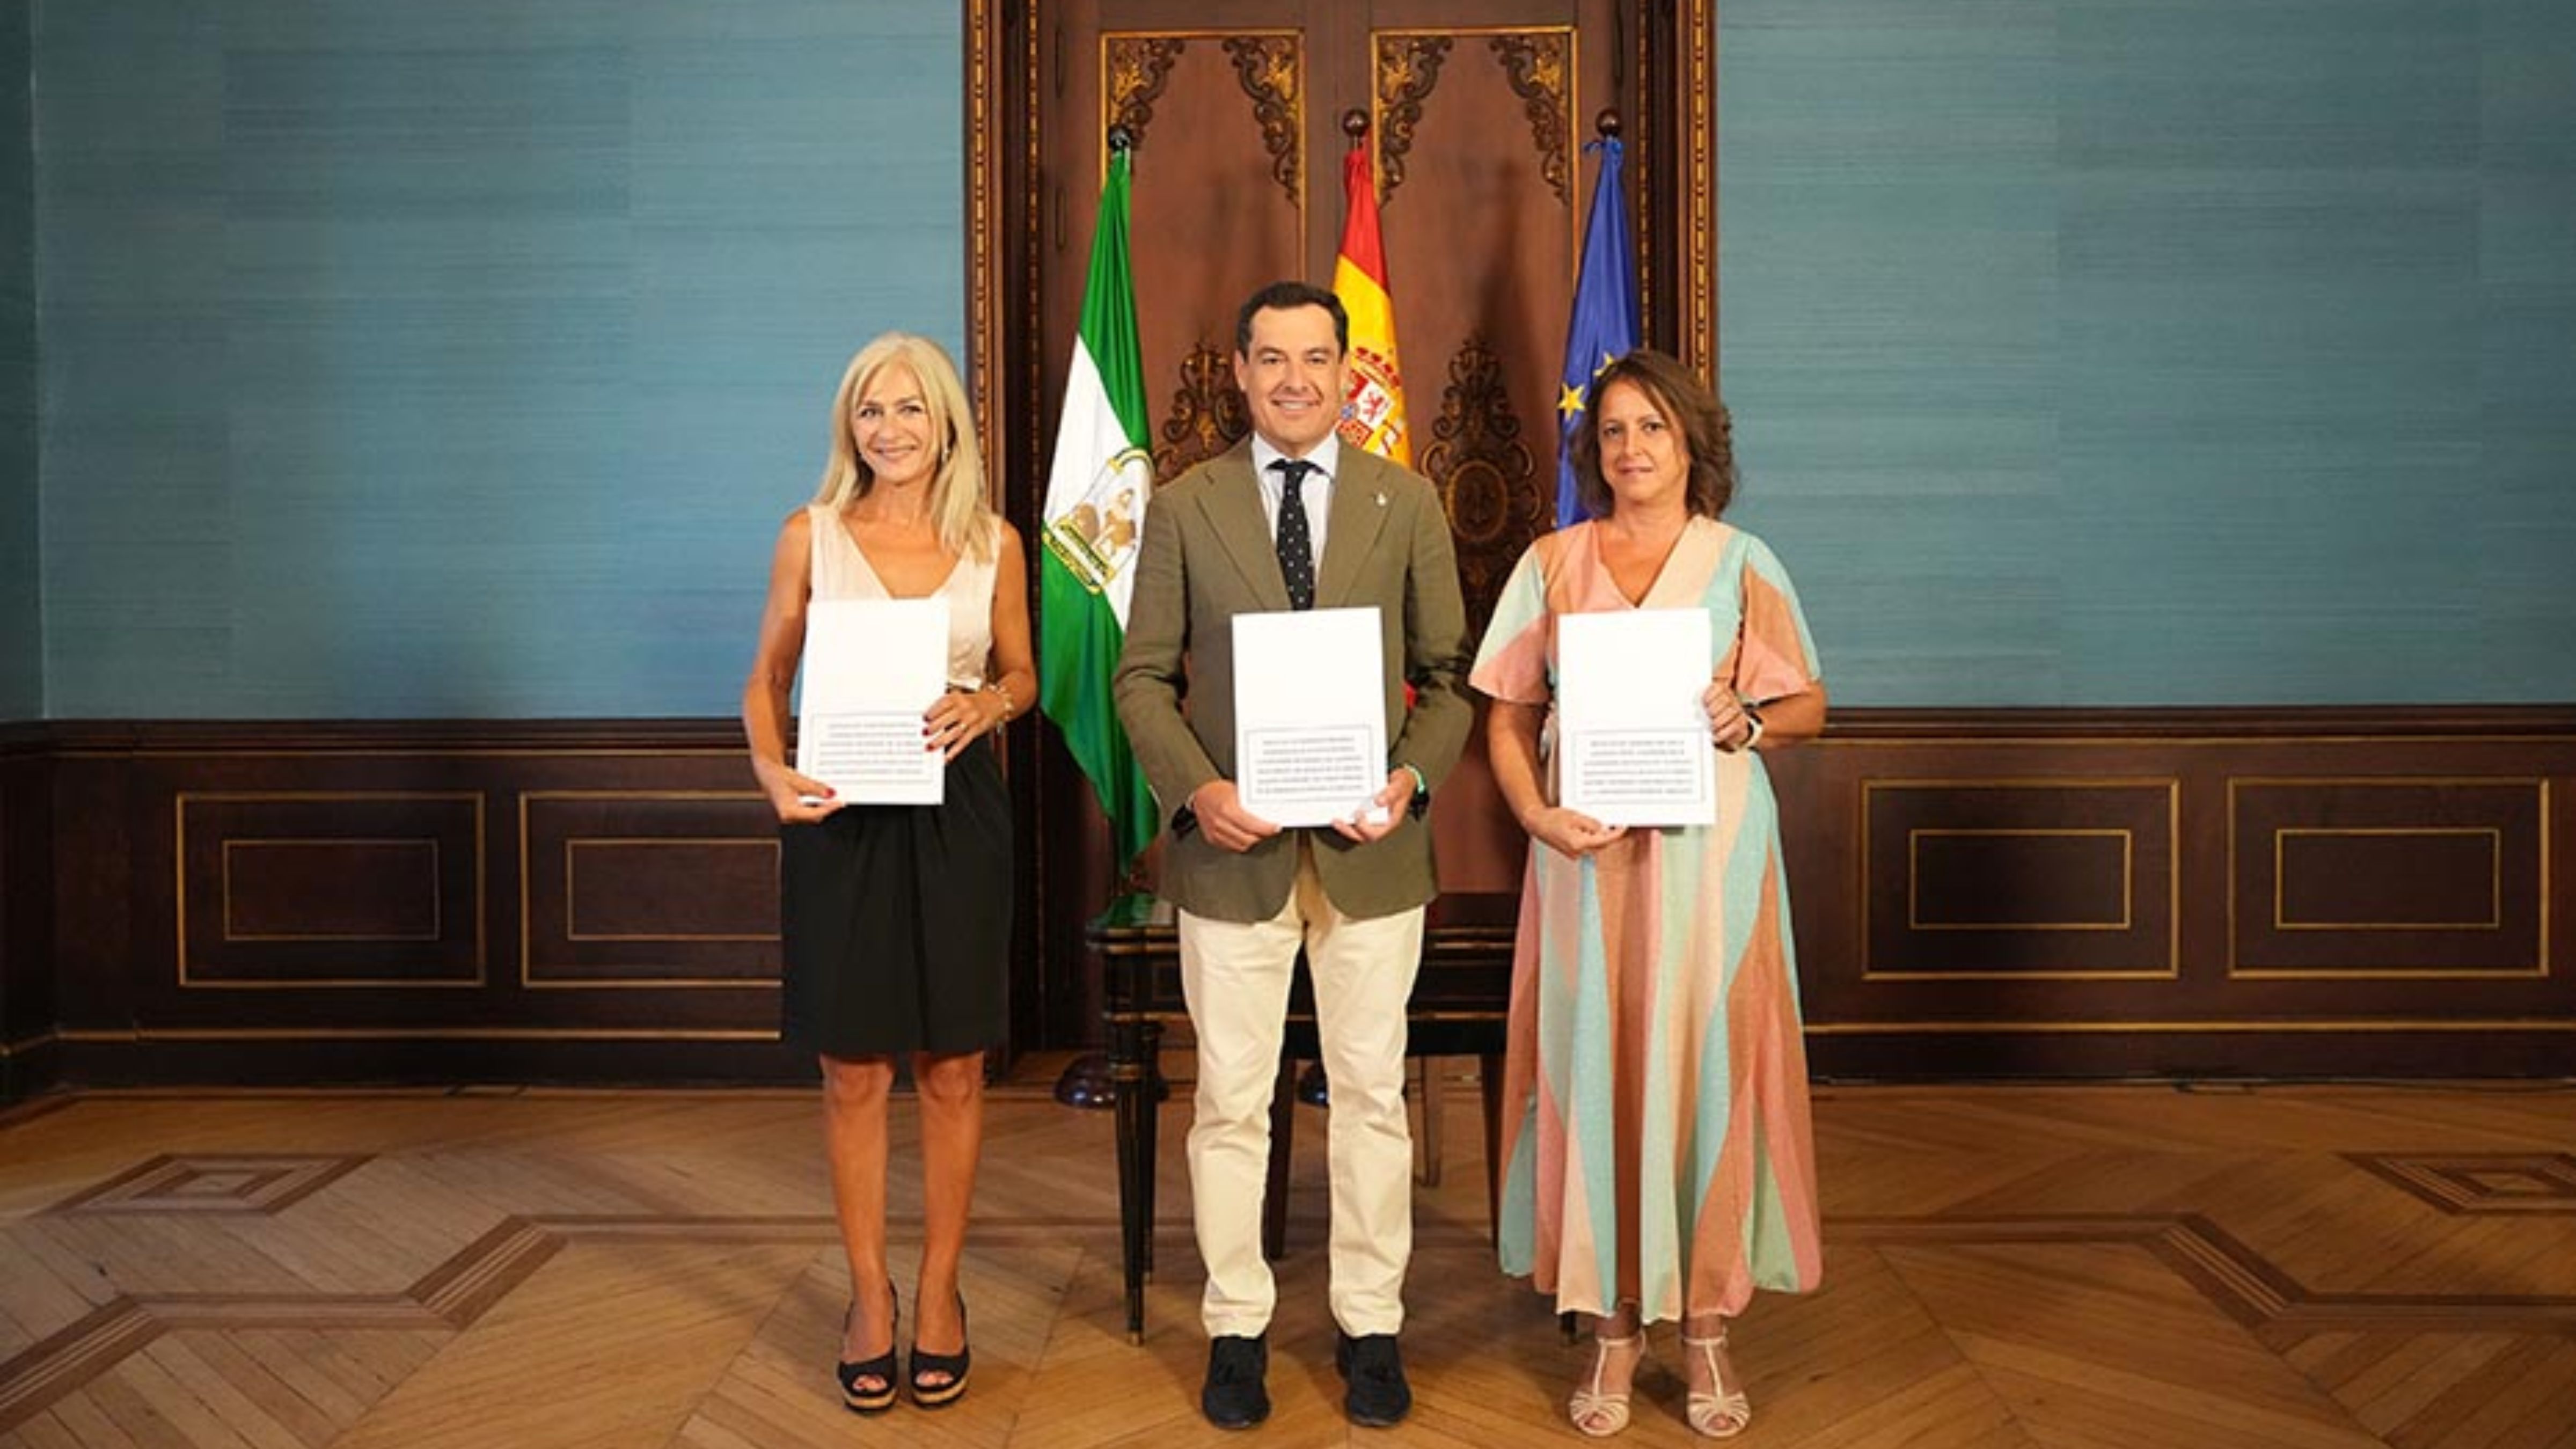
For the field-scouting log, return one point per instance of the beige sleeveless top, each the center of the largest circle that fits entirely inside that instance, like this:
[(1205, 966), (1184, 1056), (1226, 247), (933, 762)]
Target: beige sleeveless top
[(842, 572)]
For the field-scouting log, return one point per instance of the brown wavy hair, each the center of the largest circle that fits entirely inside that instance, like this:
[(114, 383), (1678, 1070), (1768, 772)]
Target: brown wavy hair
[(1707, 430)]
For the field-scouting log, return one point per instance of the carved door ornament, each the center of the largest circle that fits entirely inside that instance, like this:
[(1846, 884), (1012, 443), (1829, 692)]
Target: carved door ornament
[(1206, 416), (1486, 477)]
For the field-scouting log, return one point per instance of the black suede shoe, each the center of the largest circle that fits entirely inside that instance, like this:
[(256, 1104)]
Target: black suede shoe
[(1235, 1397), (1379, 1398)]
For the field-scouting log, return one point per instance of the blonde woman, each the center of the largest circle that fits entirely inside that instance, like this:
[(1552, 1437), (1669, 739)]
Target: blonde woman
[(897, 918)]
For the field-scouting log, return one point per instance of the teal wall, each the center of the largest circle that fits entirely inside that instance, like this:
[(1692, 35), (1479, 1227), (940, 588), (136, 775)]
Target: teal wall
[(22, 678), (460, 359), (2159, 351)]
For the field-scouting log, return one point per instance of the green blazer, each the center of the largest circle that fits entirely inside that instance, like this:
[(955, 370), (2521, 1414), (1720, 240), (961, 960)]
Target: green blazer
[(1208, 556)]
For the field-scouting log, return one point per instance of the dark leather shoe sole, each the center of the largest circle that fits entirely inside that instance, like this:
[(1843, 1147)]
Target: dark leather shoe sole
[(1229, 1422), (1377, 1418)]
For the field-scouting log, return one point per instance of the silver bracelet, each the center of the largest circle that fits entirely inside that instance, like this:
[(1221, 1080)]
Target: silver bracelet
[(994, 687)]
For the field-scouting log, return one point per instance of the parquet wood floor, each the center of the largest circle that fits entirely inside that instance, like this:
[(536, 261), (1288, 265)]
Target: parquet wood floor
[(2131, 1267)]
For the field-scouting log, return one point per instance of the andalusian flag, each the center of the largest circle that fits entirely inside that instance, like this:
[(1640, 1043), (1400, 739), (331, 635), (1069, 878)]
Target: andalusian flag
[(1095, 515), (1373, 413)]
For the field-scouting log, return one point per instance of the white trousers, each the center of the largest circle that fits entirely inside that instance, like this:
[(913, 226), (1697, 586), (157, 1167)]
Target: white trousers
[(1235, 977)]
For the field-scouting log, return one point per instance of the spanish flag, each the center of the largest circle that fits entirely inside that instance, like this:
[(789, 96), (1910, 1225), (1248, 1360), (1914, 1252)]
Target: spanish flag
[(1373, 413)]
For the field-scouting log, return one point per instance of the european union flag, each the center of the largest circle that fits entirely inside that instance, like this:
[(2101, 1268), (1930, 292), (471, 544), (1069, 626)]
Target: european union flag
[(1604, 325)]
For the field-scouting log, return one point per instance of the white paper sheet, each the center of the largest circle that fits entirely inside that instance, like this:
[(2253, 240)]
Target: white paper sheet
[(1310, 715), (872, 668), (1632, 737)]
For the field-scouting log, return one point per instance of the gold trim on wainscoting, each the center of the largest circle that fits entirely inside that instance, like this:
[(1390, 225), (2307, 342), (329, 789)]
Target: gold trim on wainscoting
[(1957, 739), (437, 916), (142, 1035), (24, 1045), (2172, 786), (2020, 1028), (615, 983), (572, 910), (2128, 881), (179, 893), (401, 752), (2495, 878), (1962, 740), (2540, 792)]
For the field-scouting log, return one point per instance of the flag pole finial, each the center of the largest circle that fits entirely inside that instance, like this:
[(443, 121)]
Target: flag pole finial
[(1606, 125), (1355, 124)]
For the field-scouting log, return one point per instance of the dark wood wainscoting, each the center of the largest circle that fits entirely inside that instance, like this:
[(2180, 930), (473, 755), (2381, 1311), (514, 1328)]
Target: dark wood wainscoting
[(2239, 893), (28, 1048), (410, 902), (1977, 893)]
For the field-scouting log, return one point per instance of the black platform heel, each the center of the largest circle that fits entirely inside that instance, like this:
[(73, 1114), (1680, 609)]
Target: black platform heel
[(876, 1400), (935, 1396)]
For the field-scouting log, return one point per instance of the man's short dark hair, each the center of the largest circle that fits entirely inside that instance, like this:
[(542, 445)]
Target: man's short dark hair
[(1288, 297)]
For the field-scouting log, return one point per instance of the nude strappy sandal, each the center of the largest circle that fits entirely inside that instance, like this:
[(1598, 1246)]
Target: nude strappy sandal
[(1723, 1413), (1593, 1412)]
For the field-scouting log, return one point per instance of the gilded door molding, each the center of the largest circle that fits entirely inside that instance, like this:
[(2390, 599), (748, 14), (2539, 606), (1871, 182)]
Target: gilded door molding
[(1537, 61), (1408, 69), (1667, 99), (1269, 67), (1136, 69), (1135, 66), (1698, 342), (1540, 65)]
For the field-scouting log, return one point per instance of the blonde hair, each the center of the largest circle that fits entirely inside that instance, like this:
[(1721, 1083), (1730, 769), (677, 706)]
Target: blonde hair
[(958, 508)]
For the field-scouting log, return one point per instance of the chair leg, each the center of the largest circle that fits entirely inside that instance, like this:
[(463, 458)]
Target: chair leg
[(1489, 1083)]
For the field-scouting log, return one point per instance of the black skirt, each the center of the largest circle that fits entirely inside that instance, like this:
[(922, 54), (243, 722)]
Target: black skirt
[(897, 920)]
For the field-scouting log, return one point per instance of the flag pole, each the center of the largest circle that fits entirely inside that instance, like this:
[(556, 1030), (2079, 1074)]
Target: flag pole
[(1314, 1085), (1603, 323), (1122, 142), (1086, 1081)]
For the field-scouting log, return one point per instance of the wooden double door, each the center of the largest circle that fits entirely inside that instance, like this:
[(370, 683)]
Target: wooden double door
[(1476, 117)]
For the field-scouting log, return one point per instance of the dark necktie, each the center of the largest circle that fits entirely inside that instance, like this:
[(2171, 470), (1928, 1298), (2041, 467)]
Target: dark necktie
[(1296, 545)]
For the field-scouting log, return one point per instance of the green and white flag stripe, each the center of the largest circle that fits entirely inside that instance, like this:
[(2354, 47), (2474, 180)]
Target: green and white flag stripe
[(1097, 491)]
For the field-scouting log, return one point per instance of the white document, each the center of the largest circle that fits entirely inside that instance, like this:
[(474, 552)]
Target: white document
[(1632, 744), (1310, 715), (872, 668)]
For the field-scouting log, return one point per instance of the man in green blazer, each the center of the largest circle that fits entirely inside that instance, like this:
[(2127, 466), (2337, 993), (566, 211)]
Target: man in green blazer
[(1292, 518)]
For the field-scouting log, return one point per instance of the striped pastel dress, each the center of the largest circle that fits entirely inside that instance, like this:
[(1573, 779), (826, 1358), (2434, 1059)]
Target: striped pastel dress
[(1655, 1135)]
